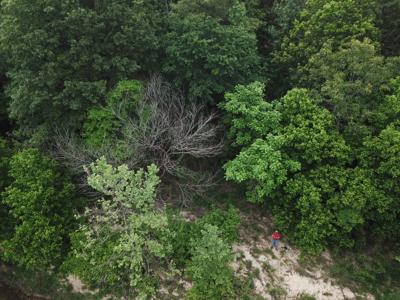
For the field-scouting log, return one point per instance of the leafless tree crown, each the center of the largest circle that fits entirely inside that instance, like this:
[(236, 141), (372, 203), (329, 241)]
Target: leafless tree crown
[(164, 129)]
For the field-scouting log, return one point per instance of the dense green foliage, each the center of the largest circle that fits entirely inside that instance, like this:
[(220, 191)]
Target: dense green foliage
[(125, 237), (41, 199), (138, 106), (227, 222), (99, 127), (211, 46), (294, 158), (5, 154), (64, 54), (390, 26), (209, 268), (187, 233), (344, 84), (321, 22), (6, 220), (289, 135)]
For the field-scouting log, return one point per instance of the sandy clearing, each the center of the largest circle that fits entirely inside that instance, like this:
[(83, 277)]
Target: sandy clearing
[(281, 270)]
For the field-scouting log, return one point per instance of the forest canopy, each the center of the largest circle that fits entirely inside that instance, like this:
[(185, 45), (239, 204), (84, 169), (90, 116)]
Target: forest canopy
[(117, 114)]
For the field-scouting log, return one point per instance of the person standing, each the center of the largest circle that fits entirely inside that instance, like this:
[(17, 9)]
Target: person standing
[(276, 236)]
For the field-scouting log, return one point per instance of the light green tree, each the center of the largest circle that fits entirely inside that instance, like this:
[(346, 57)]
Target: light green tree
[(294, 159), (125, 241), (41, 200), (209, 268)]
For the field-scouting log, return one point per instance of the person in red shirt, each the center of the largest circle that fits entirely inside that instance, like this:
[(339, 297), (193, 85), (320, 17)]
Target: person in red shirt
[(276, 236)]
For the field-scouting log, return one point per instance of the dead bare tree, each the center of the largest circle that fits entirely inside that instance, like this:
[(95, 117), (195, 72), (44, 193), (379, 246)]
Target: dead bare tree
[(164, 128)]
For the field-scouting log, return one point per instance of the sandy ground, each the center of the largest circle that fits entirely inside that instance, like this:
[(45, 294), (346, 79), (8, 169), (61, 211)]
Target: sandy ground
[(280, 270), (78, 286), (285, 276)]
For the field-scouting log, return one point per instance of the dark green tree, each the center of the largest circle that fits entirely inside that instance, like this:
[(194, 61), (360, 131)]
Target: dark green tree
[(389, 24), (321, 22), (6, 220), (63, 55), (4, 122), (343, 83), (211, 46), (285, 13), (379, 156)]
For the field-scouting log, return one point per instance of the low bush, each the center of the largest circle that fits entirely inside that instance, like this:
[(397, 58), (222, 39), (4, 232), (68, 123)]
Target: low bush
[(180, 240), (373, 273), (209, 268), (227, 222)]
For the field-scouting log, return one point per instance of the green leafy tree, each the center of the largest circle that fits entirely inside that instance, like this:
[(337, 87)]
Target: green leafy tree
[(344, 83), (249, 114), (183, 232), (388, 111), (389, 25), (41, 199), (328, 205), (186, 232), (100, 127), (379, 156), (64, 55), (296, 161), (103, 125), (126, 238), (318, 187), (227, 221), (125, 97), (285, 12), (209, 268), (321, 22), (6, 220), (211, 46), (280, 138)]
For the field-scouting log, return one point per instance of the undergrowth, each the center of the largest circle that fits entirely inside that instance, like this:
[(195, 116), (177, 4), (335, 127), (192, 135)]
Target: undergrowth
[(375, 273)]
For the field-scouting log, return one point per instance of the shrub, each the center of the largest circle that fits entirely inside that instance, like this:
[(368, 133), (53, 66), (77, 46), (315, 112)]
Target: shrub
[(209, 268), (305, 296), (227, 221), (180, 240)]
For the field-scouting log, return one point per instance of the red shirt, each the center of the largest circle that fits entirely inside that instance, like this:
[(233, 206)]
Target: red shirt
[(276, 236)]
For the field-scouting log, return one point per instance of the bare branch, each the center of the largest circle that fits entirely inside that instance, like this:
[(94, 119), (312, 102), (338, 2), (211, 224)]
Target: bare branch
[(163, 129)]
